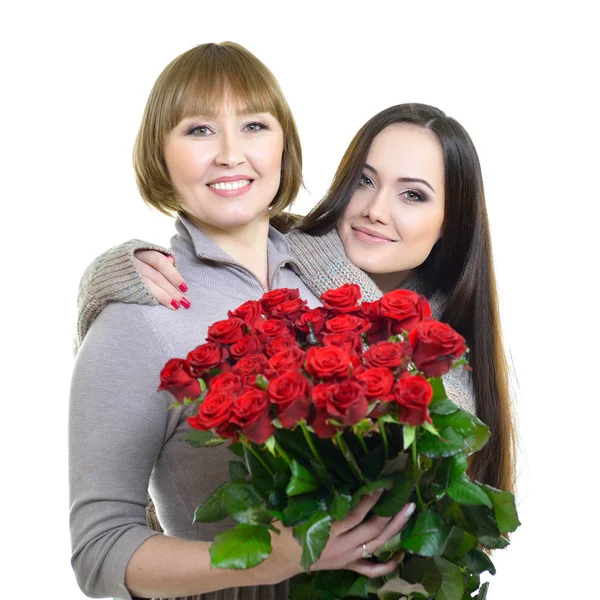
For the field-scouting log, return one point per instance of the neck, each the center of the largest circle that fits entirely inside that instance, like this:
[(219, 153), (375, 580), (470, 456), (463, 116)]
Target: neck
[(387, 282), (246, 244)]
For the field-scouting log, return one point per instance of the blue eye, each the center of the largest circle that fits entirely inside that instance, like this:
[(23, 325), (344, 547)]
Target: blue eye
[(255, 127), (365, 181), (200, 131), (413, 196)]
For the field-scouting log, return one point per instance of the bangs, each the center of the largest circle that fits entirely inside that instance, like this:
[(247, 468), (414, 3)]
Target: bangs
[(222, 74)]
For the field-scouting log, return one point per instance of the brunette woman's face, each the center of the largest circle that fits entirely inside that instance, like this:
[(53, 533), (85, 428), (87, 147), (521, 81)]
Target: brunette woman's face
[(395, 216), (225, 168)]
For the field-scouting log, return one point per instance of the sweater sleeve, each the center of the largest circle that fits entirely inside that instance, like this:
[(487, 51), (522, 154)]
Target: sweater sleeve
[(111, 277), (117, 425), (324, 264)]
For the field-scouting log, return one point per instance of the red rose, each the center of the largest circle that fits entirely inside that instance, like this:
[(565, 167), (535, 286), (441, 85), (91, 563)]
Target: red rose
[(290, 310), (177, 378), (343, 299), (271, 299), (436, 346), (249, 344), (380, 328), (214, 412), (272, 328), (250, 312), (251, 364), (285, 361), (227, 382), (347, 323), (345, 402), (387, 354), (316, 317), (279, 344), (290, 394), (227, 331), (251, 415), (349, 342), (378, 381), (207, 357), (406, 309), (325, 362), (370, 310), (413, 395)]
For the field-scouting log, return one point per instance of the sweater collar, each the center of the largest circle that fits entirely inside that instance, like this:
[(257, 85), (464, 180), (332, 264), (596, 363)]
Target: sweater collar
[(204, 247)]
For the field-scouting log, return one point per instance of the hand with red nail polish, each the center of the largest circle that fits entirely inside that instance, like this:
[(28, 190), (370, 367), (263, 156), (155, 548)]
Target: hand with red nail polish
[(161, 278)]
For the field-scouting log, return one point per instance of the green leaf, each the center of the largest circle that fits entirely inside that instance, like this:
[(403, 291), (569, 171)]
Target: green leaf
[(242, 547), (461, 421), (245, 503), (483, 591), (359, 588), (431, 429), (260, 476), (393, 545), (505, 510), (448, 444), (409, 432), (370, 488), (480, 521), (261, 382), (237, 449), (421, 570), (302, 480), (212, 509), (301, 508), (427, 535), (439, 392), (340, 507), (302, 587), (493, 542), (395, 586), (442, 406), (202, 384), (452, 580), (478, 562), (237, 470), (396, 464), (313, 536), (464, 491), (458, 466), (333, 584), (459, 542), (270, 444), (393, 500), (199, 439)]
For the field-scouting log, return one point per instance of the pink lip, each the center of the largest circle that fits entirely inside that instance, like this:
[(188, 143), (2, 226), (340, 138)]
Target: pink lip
[(229, 178), (371, 237)]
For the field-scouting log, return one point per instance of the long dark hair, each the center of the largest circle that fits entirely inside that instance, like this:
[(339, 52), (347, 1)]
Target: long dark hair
[(460, 265)]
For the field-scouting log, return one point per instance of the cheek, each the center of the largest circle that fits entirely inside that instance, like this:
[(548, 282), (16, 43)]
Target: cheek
[(267, 157), (419, 226)]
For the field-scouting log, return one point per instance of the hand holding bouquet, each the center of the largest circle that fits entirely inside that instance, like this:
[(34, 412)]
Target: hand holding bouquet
[(325, 406)]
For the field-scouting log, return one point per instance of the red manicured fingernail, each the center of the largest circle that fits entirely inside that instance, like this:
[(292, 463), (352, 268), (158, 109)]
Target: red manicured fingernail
[(174, 303), (183, 288), (185, 302)]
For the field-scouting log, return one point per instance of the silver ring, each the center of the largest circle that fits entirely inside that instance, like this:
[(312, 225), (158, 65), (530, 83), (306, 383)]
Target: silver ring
[(365, 553)]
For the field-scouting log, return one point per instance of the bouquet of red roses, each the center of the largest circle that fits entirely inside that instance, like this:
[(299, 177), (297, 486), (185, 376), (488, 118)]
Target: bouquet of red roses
[(326, 405)]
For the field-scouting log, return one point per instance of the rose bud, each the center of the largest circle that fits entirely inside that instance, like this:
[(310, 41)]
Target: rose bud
[(343, 299), (413, 394), (405, 308), (177, 378)]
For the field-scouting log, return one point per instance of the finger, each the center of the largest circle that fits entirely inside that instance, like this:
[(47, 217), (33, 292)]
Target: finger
[(394, 526), (149, 273), (163, 297), (371, 569), (366, 531), (164, 265), (357, 515)]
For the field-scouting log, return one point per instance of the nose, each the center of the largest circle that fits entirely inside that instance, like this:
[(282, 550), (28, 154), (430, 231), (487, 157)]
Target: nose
[(231, 150), (377, 208)]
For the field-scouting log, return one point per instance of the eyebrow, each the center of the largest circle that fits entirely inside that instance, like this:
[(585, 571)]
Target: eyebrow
[(404, 179)]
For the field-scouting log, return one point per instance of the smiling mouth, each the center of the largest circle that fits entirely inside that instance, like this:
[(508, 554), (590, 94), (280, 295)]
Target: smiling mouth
[(228, 186), (372, 237)]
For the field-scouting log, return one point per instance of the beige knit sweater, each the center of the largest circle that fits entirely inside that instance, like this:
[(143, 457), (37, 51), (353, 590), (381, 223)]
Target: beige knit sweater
[(112, 277)]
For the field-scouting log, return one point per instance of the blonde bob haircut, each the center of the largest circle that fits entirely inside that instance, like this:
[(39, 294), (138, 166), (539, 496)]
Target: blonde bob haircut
[(195, 83)]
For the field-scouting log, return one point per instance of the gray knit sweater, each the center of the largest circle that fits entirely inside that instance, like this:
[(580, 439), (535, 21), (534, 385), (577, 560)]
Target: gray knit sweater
[(112, 277)]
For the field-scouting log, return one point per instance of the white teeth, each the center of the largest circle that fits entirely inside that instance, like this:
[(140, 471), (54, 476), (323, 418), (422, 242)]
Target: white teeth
[(230, 185)]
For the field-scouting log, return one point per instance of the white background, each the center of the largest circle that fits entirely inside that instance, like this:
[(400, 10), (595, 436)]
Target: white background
[(520, 77)]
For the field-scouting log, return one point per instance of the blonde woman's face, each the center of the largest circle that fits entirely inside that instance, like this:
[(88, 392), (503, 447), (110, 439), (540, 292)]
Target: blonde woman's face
[(226, 168), (395, 216)]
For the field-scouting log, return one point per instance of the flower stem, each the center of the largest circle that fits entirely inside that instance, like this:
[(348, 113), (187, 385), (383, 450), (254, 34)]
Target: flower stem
[(283, 453), (363, 445), (384, 438), (349, 457), (415, 459), (310, 443), (258, 457)]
